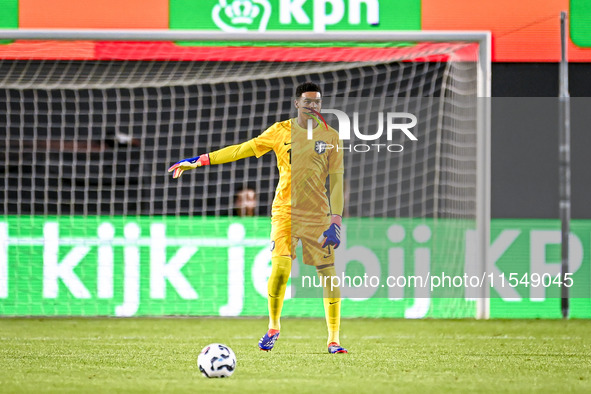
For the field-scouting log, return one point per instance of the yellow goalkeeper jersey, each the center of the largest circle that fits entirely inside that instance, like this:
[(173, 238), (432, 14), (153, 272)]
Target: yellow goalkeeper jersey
[(304, 166)]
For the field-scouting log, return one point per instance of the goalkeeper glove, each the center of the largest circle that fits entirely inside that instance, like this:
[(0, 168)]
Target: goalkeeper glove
[(188, 164), (333, 234)]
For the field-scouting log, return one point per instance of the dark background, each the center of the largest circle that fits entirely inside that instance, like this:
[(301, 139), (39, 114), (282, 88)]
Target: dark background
[(525, 146), (524, 151)]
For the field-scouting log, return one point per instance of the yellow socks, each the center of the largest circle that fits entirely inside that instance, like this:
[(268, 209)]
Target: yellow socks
[(332, 304), (276, 288)]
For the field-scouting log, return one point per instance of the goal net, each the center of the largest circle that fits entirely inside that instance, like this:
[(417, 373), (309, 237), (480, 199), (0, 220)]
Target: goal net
[(93, 224)]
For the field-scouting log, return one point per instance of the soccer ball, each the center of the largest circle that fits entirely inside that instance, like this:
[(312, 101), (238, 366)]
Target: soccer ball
[(216, 361)]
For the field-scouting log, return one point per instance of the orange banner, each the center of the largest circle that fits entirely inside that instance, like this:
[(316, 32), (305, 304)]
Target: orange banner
[(523, 31), (94, 14)]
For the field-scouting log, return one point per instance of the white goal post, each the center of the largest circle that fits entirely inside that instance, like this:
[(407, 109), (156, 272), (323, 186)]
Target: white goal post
[(482, 187)]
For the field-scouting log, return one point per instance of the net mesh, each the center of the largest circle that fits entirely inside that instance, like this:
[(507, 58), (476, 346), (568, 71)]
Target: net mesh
[(91, 128), (96, 137)]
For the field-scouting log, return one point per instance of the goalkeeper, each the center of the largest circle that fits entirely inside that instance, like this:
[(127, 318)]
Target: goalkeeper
[(301, 210)]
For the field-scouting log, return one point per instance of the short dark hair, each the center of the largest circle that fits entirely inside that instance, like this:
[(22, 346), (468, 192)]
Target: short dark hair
[(307, 87)]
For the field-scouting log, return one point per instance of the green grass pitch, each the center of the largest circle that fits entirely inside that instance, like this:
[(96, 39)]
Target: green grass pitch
[(159, 355)]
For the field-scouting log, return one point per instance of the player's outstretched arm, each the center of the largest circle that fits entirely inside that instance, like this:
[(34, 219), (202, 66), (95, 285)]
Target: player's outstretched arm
[(224, 155), (333, 233)]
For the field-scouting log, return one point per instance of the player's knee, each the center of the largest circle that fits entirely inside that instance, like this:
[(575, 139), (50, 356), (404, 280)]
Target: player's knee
[(324, 266), (326, 270)]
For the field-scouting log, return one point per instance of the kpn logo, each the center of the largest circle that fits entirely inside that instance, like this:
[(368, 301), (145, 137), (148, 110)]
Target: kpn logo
[(257, 15), (242, 15)]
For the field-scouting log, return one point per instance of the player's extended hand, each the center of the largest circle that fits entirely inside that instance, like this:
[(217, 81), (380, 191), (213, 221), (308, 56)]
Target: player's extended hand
[(188, 164), (333, 233)]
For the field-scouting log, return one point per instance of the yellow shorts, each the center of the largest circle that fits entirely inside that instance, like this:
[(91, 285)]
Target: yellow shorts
[(285, 237)]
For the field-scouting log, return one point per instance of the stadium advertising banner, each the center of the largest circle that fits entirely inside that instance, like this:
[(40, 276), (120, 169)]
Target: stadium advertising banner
[(317, 16), (141, 266), (522, 31)]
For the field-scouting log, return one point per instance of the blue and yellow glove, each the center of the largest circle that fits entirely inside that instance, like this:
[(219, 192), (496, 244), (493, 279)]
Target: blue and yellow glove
[(333, 233), (188, 164)]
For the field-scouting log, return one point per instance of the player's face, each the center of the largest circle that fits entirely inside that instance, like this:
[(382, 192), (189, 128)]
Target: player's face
[(308, 100)]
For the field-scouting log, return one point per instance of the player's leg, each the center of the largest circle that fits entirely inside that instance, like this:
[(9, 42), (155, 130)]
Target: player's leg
[(323, 259), (332, 306), (281, 268)]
